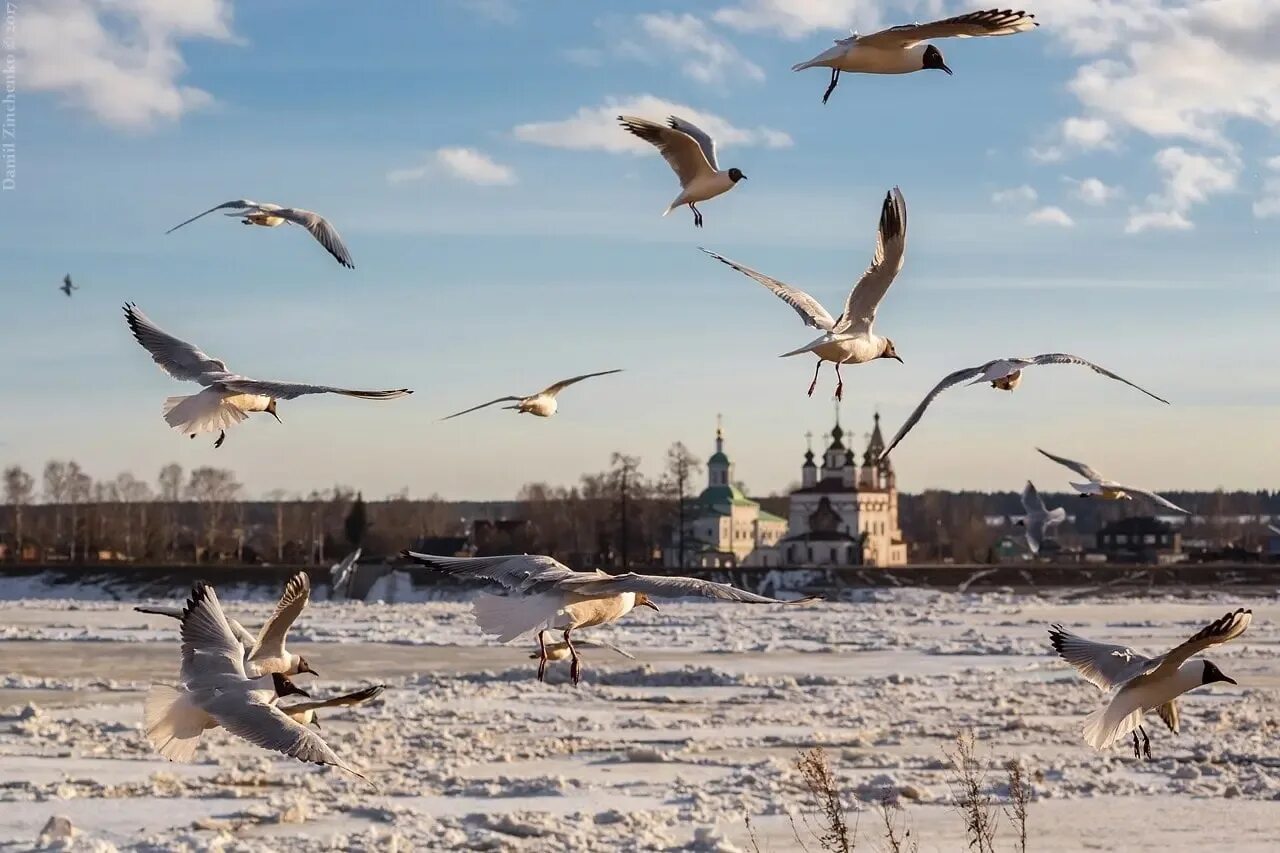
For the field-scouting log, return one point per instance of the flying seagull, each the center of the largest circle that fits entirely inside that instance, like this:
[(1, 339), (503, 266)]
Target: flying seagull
[(272, 215), (228, 398), (216, 691), (1140, 683), (545, 595), (305, 712), (543, 403), (1108, 490), (849, 339), (343, 574), (67, 286), (1038, 518), (265, 653), (1004, 374), (901, 50), (691, 153)]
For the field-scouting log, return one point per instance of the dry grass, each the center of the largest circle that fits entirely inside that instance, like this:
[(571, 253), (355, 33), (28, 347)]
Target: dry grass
[(833, 832), (969, 794), (1019, 799), (897, 828)]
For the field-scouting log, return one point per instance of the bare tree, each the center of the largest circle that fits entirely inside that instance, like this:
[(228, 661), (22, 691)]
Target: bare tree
[(79, 488), (170, 482), (19, 486), (131, 491), (682, 466), (625, 475), (55, 492), (213, 489)]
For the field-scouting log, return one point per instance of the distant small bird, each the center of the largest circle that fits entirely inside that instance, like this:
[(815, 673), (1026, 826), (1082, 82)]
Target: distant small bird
[(228, 398), (265, 653), (849, 339), (1142, 684), (900, 50), (305, 712), (1038, 518), (342, 574), (215, 691), (1004, 374), (543, 403), (546, 595), (1108, 490), (272, 215), (691, 152), (67, 286)]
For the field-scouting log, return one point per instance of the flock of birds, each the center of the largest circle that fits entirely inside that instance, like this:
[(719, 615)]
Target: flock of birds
[(233, 679)]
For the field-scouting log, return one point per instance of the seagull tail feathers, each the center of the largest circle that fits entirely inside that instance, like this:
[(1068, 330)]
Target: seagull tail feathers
[(1110, 723), (173, 722), (207, 411), (512, 617)]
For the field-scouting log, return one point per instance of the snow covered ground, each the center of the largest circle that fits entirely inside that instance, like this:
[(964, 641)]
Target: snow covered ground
[(670, 751)]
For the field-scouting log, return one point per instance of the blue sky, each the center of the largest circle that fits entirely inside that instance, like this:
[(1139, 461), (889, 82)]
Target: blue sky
[(1085, 187)]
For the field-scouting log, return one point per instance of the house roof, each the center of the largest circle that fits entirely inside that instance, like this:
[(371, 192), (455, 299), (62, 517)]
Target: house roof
[(1137, 524), (821, 536)]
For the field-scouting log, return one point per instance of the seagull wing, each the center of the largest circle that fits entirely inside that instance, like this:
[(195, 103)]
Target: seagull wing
[(270, 641), (484, 405), (290, 390), (1154, 498), (271, 728), (210, 651), (1104, 665), (681, 150), (528, 574), (948, 381), (1215, 633), (342, 701), (1169, 714), (555, 389), (891, 246), (1067, 358), (321, 229), (1079, 467), (176, 357), (704, 140), (1031, 500), (809, 309), (664, 587), (240, 204), (990, 22)]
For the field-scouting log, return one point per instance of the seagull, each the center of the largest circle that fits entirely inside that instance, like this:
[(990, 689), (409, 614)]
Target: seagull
[(266, 653), (1140, 683), (228, 398), (342, 574), (543, 404), (305, 712), (67, 286), (272, 215), (1038, 517), (560, 651), (544, 594), (1004, 374), (1108, 490), (900, 50), (691, 152), (216, 691), (849, 339)]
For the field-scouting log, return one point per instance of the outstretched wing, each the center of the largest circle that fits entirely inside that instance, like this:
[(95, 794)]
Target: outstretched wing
[(891, 246), (176, 357), (321, 229), (704, 140), (271, 728), (555, 389), (951, 379), (523, 573), (1169, 714), (290, 390), (1104, 665), (990, 22), (484, 405), (239, 204), (1215, 633), (1031, 500), (663, 586), (1154, 498), (1068, 358), (809, 309), (1079, 467), (270, 641), (209, 648), (681, 151), (346, 699)]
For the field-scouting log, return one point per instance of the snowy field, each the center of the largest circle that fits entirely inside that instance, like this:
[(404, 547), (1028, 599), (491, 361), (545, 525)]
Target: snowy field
[(668, 752)]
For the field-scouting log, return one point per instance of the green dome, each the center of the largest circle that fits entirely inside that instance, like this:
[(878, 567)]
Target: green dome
[(718, 458)]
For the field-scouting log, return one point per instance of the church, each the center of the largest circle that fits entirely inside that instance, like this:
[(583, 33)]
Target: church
[(843, 514)]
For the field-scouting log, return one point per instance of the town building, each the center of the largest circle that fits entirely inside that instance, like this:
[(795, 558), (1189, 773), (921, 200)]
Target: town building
[(1141, 539)]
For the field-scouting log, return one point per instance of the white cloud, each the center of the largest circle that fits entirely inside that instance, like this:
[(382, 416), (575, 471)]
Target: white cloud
[(1024, 194), (120, 61), (796, 18), (1093, 191), (1269, 202), (1189, 179), (596, 128), (497, 11), (464, 164), (1050, 215), (1087, 133), (707, 57)]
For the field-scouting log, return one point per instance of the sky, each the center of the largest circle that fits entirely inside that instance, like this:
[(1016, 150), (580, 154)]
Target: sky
[(1108, 185)]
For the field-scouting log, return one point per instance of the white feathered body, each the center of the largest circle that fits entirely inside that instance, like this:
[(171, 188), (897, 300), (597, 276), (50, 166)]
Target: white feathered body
[(542, 405), (212, 410), (702, 188), (512, 617), (175, 717), (844, 348), (1106, 491), (1139, 695), (848, 55)]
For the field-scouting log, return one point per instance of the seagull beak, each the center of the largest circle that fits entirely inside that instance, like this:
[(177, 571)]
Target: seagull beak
[(307, 668), (1229, 679), (944, 67), (650, 605), (897, 358)]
